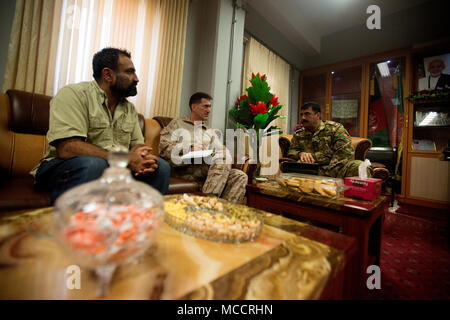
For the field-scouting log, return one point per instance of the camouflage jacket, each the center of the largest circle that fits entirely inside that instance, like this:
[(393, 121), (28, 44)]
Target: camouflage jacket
[(330, 145), (171, 136)]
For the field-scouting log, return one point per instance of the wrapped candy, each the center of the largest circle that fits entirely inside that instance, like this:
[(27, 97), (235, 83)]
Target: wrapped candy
[(108, 221)]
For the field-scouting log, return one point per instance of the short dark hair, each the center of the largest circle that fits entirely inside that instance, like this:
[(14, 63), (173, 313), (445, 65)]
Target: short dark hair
[(314, 106), (197, 97), (107, 58)]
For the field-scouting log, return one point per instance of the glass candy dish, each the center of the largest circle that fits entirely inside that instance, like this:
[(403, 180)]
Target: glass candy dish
[(212, 219), (109, 221)]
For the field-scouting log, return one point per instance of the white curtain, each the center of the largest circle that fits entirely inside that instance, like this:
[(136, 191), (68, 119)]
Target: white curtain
[(32, 46), (53, 42), (87, 26)]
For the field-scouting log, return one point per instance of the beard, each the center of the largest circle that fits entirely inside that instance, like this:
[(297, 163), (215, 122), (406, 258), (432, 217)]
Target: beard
[(122, 89)]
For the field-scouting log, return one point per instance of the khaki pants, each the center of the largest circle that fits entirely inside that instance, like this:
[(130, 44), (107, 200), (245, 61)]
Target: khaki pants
[(221, 180)]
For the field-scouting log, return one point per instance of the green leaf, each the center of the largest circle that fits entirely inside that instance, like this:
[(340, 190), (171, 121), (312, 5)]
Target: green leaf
[(238, 125), (233, 113), (272, 132), (260, 120), (259, 91), (275, 110)]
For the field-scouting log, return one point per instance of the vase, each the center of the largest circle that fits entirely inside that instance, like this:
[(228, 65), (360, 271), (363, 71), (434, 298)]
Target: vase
[(257, 173), (257, 177)]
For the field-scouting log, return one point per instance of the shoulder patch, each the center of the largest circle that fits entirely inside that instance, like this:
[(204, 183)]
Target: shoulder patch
[(345, 135)]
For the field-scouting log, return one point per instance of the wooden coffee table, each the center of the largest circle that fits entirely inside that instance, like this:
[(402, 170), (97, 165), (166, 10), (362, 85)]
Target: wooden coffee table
[(289, 260), (356, 218)]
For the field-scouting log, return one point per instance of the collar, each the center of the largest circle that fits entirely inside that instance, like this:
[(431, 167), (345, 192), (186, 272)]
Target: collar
[(102, 98), (188, 120), (320, 128)]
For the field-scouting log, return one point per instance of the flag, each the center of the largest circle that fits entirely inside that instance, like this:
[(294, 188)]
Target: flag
[(393, 134), (377, 131), (400, 115)]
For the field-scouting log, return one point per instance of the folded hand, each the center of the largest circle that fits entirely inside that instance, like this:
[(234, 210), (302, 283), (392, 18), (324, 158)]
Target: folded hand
[(306, 157), (142, 162)]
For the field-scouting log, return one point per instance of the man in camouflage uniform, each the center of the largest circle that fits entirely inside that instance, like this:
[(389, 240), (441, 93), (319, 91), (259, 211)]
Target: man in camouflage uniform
[(326, 143), (221, 179)]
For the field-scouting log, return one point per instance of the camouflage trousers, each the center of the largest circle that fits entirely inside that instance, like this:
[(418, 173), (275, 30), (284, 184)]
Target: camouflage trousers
[(221, 180), (351, 169)]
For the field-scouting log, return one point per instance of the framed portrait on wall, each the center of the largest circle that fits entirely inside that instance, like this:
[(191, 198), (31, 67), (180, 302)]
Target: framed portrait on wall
[(437, 73)]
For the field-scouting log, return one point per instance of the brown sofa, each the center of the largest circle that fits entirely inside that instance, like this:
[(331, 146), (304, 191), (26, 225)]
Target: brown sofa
[(23, 125)]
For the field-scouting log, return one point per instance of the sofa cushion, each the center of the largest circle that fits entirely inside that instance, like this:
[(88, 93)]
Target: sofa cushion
[(29, 112), (19, 193), (184, 186)]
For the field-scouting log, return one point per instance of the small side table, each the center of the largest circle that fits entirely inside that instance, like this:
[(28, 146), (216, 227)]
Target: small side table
[(356, 218)]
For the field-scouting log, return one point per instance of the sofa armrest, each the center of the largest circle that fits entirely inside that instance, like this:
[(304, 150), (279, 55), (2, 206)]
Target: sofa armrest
[(362, 146), (151, 135), (285, 143)]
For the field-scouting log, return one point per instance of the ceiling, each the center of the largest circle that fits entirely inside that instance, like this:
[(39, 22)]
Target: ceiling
[(305, 22)]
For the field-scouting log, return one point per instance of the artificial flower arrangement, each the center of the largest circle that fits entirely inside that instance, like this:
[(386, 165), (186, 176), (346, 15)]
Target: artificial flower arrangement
[(258, 108), (423, 95)]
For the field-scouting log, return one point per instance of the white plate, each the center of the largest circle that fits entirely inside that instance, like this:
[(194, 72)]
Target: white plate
[(197, 154), (261, 179)]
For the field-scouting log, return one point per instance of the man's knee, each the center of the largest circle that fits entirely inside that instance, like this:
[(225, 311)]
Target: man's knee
[(88, 166), (163, 167), (352, 169), (238, 176)]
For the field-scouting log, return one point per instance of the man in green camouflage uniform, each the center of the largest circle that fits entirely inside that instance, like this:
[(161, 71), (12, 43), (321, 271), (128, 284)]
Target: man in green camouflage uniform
[(221, 179), (326, 143)]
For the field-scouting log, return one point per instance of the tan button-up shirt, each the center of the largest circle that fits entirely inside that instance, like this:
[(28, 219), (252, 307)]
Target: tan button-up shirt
[(80, 110)]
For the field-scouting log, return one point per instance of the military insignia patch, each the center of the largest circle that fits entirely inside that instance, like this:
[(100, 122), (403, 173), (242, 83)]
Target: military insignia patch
[(345, 135)]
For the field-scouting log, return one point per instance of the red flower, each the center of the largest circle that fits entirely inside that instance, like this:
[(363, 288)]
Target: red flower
[(274, 101), (263, 77), (260, 108), (243, 97)]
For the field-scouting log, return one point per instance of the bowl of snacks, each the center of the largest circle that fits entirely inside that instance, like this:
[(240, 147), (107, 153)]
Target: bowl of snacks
[(212, 218)]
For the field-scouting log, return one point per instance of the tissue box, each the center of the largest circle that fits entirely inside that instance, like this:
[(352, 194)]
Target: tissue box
[(367, 189)]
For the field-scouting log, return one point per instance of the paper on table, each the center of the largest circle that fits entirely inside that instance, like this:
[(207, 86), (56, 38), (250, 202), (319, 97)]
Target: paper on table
[(197, 154)]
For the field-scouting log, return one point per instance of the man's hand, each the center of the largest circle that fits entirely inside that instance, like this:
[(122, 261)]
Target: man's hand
[(306, 157), (142, 162)]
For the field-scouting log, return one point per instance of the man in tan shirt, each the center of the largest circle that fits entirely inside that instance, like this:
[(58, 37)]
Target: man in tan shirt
[(89, 119), (192, 134)]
